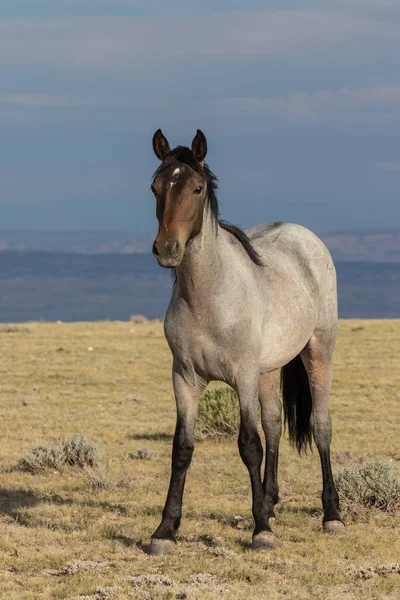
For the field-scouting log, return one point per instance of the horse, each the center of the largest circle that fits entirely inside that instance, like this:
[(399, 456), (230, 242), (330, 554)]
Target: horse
[(245, 303)]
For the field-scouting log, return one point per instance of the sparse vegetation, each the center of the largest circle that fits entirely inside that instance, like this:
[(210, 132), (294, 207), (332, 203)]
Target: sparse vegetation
[(6, 328), (63, 539), (104, 477), (218, 413), (369, 485), (74, 451), (141, 454), (100, 593), (98, 479), (138, 319), (382, 570), (83, 566), (150, 581)]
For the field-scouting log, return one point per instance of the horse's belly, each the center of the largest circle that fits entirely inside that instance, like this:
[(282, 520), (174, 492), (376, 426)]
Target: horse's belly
[(285, 337)]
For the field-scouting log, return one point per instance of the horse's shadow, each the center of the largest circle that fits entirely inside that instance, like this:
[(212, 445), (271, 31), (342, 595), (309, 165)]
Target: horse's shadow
[(311, 511), (152, 437), (11, 500)]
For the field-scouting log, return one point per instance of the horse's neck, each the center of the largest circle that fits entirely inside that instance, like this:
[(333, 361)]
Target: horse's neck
[(201, 270)]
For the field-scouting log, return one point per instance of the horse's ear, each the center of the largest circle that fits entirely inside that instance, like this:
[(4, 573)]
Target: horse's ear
[(160, 145), (199, 146)]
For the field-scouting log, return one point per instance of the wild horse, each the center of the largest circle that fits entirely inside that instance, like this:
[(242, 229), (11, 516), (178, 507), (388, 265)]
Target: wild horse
[(244, 304)]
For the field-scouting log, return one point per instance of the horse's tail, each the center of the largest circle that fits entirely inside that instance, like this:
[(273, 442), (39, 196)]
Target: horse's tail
[(297, 403)]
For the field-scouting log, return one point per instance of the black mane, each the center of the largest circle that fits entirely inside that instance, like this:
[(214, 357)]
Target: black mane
[(184, 155)]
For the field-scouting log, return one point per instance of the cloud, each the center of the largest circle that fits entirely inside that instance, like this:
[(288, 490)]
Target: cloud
[(343, 104), (392, 166), (58, 68), (128, 43), (36, 100), (89, 182), (368, 3), (24, 108)]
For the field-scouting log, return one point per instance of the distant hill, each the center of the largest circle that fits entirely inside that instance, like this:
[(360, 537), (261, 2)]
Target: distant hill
[(80, 242), (90, 287), (346, 246), (369, 246)]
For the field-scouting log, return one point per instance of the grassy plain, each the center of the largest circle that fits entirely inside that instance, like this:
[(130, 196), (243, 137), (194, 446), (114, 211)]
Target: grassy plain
[(62, 537)]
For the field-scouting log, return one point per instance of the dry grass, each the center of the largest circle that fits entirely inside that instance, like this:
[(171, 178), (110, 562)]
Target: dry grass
[(63, 539)]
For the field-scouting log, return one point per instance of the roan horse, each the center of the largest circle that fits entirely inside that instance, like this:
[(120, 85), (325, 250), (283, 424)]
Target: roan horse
[(244, 304)]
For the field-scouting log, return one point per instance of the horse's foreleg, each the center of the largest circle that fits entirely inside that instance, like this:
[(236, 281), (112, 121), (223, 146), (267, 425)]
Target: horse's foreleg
[(187, 398), (318, 366), (271, 409), (251, 452)]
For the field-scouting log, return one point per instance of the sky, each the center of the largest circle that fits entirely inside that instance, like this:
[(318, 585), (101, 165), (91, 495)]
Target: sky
[(299, 101)]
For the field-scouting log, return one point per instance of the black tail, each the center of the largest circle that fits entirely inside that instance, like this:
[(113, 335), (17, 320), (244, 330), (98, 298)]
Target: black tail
[(297, 403)]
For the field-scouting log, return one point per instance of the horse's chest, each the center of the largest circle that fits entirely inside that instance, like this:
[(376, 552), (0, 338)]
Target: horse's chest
[(212, 347)]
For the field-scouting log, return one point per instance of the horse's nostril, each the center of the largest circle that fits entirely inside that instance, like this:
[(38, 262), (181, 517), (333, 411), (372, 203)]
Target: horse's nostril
[(172, 247), (155, 249)]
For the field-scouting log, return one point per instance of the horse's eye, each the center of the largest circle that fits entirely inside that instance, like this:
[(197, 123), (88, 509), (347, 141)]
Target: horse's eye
[(198, 190), (153, 189)]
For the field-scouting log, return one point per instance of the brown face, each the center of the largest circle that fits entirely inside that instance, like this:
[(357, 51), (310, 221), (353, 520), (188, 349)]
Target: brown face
[(180, 193)]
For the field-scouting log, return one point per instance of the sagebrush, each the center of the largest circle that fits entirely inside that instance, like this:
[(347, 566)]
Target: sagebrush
[(369, 485), (141, 454), (98, 478), (218, 413), (67, 451)]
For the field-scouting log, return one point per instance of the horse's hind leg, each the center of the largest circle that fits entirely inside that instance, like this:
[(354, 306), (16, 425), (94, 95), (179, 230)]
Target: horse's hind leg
[(317, 358), (271, 411), (251, 452)]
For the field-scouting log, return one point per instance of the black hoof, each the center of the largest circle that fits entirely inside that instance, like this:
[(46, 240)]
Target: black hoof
[(265, 540), (333, 527), (160, 547)]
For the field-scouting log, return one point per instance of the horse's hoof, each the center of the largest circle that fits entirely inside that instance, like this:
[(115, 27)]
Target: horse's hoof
[(265, 540), (333, 527), (159, 547)]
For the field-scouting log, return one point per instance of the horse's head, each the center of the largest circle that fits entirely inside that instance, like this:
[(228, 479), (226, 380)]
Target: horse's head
[(180, 189)]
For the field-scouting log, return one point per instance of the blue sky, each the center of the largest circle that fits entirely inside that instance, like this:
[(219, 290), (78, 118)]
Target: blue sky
[(301, 108)]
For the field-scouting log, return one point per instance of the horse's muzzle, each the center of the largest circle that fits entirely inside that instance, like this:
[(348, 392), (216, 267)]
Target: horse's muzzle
[(169, 254)]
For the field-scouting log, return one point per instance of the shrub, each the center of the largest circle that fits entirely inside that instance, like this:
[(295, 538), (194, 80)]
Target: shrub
[(218, 413), (69, 451), (97, 479), (138, 319), (370, 485), (141, 454), (102, 479)]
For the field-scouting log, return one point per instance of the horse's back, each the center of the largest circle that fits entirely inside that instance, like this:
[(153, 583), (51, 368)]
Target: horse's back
[(288, 248), (289, 239), (298, 283)]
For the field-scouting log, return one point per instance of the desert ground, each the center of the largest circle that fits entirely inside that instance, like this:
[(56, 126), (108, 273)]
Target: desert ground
[(83, 533)]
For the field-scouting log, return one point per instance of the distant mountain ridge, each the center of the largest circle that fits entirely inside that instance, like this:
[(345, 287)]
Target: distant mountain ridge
[(367, 246), (378, 246), (79, 242), (69, 286)]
